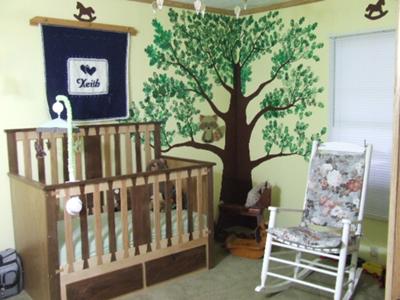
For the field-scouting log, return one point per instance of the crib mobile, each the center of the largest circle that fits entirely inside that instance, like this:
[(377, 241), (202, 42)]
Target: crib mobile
[(74, 205)]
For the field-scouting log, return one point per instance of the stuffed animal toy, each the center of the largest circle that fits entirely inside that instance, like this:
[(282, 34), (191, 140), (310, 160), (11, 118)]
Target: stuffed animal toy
[(161, 164), (254, 195), (211, 131), (155, 165)]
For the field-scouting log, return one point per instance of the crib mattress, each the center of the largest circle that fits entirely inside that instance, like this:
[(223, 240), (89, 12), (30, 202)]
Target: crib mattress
[(118, 231)]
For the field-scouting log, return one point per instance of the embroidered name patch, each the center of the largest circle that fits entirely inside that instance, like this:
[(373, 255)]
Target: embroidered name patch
[(87, 76)]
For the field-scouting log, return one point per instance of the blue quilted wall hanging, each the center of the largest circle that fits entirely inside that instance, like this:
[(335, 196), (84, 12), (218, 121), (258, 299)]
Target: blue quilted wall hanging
[(90, 67)]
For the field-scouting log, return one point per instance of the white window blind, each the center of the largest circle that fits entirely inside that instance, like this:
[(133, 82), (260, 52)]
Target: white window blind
[(363, 76)]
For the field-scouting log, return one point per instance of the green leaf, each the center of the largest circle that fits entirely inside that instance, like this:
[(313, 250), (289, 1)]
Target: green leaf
[(192, 54)]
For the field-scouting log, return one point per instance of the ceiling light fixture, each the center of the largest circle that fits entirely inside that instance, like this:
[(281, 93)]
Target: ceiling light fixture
[(160, 4), (197, 6), (244, 4), (154, 6), (237, 11), (203, 9)]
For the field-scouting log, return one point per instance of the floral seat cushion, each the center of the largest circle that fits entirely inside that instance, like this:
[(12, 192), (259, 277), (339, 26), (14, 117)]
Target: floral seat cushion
[(306, 237), (334, 188)]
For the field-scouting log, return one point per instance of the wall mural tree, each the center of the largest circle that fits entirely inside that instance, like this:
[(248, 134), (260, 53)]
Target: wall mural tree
[(197, 53)]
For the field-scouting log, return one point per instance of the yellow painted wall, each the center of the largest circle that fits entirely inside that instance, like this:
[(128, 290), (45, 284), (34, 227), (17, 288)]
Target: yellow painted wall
[(22, 86), (23, 100), (288, 175)]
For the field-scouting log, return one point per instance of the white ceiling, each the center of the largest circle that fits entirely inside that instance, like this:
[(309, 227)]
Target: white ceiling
[(230, 4)]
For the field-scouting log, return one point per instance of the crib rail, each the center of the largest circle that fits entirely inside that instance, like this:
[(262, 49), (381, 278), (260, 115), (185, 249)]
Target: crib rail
[(140, 214), (133, 222), (100, 151)]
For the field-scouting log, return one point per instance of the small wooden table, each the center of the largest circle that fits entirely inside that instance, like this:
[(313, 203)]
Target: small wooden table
[(238, 215)]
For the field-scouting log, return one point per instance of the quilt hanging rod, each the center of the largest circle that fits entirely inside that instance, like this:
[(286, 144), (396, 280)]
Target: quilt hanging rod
[(82, 25)]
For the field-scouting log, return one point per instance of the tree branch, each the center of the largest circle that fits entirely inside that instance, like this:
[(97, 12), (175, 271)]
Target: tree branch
[(254, 48), (267, 157), (214, 66), (192, 143), (271, 108), (223, 83), (198, 83), (265, 83)]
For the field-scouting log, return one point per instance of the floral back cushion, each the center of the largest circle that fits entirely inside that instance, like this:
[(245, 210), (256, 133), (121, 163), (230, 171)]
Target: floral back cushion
[(334, 188)]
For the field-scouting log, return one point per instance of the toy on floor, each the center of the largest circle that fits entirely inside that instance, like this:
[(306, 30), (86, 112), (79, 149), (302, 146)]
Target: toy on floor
[(248, 246), (376, 270)]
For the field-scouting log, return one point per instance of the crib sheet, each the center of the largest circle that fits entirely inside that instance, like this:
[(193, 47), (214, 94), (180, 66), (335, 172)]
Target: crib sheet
[(118, 231)]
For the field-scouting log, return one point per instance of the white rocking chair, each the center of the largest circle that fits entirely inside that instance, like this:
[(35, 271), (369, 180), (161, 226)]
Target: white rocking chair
[(335, 196)]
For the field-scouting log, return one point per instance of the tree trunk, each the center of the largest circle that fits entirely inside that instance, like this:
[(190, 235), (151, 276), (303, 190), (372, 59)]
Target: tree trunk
[(236, 175), (235, 183)]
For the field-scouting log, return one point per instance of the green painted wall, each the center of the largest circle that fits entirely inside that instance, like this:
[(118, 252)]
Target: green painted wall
[(22, 92)]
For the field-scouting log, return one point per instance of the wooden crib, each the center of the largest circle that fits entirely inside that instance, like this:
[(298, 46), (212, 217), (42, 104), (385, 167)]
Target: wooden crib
[(119, 242)]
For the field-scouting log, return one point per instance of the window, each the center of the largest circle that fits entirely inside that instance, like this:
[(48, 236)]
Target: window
[(363, 76)]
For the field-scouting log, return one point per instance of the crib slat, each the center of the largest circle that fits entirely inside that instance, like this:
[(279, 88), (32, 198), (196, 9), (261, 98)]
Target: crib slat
[(189, 203), (200, 201), (107, 152), (128, 152), (179, 205), (117, 152), (157, 141), (84, 228), (147, 148), (210, 218), (52, 214), (97, 225), (27, 156), (145, 203), (138, 150), (78, 165), (65, 157), (68, 236), (124, 218), (132, 194), (12, 153), (40, 160), (156, 211), (53, 159), (92, 146), (111, 221), (78, 158), (141, 217), (168, 204)]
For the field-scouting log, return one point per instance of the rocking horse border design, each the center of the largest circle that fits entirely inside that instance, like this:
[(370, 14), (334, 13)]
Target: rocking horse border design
[(84, 11), (373, 8)]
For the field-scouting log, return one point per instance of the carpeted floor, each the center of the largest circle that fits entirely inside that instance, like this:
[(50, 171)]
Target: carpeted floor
[(235, 278)]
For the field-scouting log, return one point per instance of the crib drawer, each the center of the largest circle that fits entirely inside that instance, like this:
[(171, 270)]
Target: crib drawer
[(174, 265), (108, 285)]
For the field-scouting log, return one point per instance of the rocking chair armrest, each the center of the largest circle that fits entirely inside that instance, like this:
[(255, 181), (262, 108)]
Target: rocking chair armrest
[(279, 209), (274, 210), (347, 227), (351, 222)]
